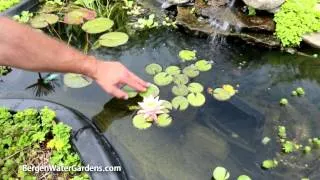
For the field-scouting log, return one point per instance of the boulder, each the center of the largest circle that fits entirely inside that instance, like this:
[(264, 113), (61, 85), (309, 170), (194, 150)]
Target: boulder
[(313, 39), (268, 5)]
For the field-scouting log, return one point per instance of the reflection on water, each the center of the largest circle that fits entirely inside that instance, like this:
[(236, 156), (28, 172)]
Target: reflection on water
[(226, 134)]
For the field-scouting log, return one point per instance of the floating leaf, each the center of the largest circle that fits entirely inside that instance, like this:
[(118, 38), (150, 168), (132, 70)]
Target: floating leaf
[(98, 25), (173, 70), (164, 120), (153, 69), (180, 103), (195, 87), (77, 16), (265, 140), (180, 90), (282, 132), (181, 79), (187, 55), (300, 91), (191, 71), (162, 79), (203, 65), (221, 95), (44, 20), (220, 173), (269, 164), (283, 102), (130, 91), (152, 90), (113, 39), (140, 123), (196, 99), (76, 80), (229, 89), (288, 147), (307, 149), (167, 105), (243, 177)]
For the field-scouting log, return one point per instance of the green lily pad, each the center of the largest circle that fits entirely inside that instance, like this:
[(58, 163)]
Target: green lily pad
[(162, 79), (196, 99), (180, 90), (164, 120), (195, 87), (181, 103), (221, 94), (98, 25), (173, 70), (220, 173), (191, 71), (152, 90), (130, 91), (140, 123), (76, 80), (153, 69), (181, 79), (167, 105), (269, 164), (113, 39), (203, 65), (44, 20), (243, 177), (187, 55)]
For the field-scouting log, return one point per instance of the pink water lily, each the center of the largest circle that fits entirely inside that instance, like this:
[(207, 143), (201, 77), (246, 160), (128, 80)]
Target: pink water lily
[(151, 107)]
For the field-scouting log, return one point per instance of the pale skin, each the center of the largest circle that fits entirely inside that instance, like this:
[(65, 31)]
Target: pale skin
[(22, 47)]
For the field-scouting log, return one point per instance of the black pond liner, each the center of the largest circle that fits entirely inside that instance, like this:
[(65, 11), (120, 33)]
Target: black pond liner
[(94, 149), (24, 5)]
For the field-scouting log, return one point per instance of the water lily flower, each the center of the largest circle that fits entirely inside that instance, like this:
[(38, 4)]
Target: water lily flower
[(151, 107)]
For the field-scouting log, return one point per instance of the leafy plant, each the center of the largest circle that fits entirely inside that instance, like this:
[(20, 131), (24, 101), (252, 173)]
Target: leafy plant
[(196, 99), (187, 55), (153, 69), (146, 23), (269, 164), (6, 4), (4, 70), (203, 65), (24, 17), (180, 79), (180, 90), (152, 90), (251, 11), (173, 70), (243, 177), (162, 79), (282, 133), (191, 71), (44, 20), (76, 80), (222, 94), (180, 103), (220, 173), (195, 87), (296, 18), (300, 91), (112, 39), (97, 25), (283, 102)]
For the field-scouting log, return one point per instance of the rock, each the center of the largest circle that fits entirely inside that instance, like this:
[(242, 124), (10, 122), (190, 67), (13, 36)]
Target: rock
[(169, 3), (313, 39), (217, 3), (268, 5)]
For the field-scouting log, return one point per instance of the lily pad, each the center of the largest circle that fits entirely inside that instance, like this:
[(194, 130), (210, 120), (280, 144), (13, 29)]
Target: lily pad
[(164, 120), (173, 70), (180, 90), (153, 69), (167, 105), (162, 79), (113, 39), (203, 65), (140, 123), (195, 87), (181, 103), (44, 20), (76, 80), (221, 94), (152, 90), (98, 25), (187, 55), (220, 173), (196, 99), (229, 89), (269, 164), (191, 71), (130, 91), (181, 79), (77, 16)]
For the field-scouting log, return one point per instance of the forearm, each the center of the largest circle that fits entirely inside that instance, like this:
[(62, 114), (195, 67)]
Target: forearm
[(22, 47)]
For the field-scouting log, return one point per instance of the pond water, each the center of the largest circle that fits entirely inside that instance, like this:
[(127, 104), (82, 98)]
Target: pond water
[(224, 134)]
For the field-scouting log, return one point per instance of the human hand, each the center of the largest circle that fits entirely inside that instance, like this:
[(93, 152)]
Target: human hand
[(112, 75)]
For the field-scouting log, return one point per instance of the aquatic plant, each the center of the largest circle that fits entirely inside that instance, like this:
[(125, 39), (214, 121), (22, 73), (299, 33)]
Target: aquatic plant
[(187, 55), (180, 79), (220, 173), (6, 4), (153, 69), (243, 177), (300, 91), (203, 65), (307, 149), (31, 137), (4, 70), (180, 103), (283, 101), (282, 132), (151, 107), (112, 39), (269, 164), (224, 93), (173, 70), (195, 87), (97, 25), (169, 23), (191, 71), (162, 79), (288, 147), (152, 90), (77, 16), (265, 140), (196, 99), (43, 20), (76, 80), (146, 23), (251, 11), (180, 90), (296, 18), (130, 91), (24, 17)]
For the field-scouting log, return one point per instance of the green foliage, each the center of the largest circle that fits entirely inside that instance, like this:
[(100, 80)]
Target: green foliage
[(283, 102), (220, 173), (180, 102), (25, 133), (162, 79), (24, 17), (296, 18), (4, 70), (97, 25), (243, 177), (153, 69), (146, 23), (6, 4), (187, 55), (72, 80), (152, 90), (251, 11), (288, 147), (196, 99), (269, 164), (282, 132)]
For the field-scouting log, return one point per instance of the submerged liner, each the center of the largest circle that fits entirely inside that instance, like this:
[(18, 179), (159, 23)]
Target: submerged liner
[(93, 149), (24, 5)]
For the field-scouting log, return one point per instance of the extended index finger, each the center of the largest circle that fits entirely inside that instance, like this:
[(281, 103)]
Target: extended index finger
[(138, 79)]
